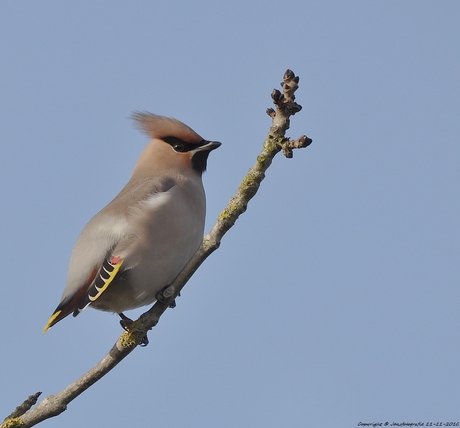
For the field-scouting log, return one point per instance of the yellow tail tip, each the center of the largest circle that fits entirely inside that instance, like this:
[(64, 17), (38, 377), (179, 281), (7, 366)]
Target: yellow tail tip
[(51, 321)]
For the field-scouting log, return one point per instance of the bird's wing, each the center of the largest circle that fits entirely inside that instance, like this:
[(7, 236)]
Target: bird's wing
[(110, 269)]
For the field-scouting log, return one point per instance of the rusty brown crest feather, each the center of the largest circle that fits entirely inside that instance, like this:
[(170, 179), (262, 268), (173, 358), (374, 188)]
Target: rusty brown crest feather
[(160, 127)]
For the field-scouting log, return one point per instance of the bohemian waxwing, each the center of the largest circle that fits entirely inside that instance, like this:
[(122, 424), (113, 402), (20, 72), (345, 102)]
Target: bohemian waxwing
[(140, 241)]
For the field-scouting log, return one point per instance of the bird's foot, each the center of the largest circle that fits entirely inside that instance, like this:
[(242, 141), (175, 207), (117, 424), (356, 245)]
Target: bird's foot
[(165, 294), (125, 322)]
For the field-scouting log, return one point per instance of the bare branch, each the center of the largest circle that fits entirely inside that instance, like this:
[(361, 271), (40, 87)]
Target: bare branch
[(276, 141), (24, 407)]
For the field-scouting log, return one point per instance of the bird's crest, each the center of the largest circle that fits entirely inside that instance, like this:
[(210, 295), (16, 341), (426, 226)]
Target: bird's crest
[(160, 127)]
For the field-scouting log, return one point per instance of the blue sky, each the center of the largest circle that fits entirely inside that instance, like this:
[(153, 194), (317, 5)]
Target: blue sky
[(334, 299)]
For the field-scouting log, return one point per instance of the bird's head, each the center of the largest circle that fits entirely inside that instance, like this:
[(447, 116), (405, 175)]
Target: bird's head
[(173, 144)]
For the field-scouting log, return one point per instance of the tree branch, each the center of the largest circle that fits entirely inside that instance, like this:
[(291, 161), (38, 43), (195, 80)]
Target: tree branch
[(276, 141)]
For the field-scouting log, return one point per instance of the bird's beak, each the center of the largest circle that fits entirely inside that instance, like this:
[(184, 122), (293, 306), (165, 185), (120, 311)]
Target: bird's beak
[(207, 146)]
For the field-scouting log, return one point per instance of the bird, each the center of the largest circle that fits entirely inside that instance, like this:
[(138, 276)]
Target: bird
[(134, 247)]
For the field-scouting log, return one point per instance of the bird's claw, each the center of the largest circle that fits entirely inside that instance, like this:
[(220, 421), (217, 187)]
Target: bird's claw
[(164, 294), (125, 322)]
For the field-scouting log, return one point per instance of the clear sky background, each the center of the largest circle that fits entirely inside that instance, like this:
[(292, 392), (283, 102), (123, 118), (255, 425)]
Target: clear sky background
[(334, 299)]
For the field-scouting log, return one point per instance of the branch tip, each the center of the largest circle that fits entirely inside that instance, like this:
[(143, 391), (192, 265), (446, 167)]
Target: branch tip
[(289, 145), (285, 105), (271, 112), (289, 75), (277, 96), (30, 401)]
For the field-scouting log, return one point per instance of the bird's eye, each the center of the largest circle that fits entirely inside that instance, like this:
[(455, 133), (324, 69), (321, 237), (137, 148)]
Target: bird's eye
[(179, 147)]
